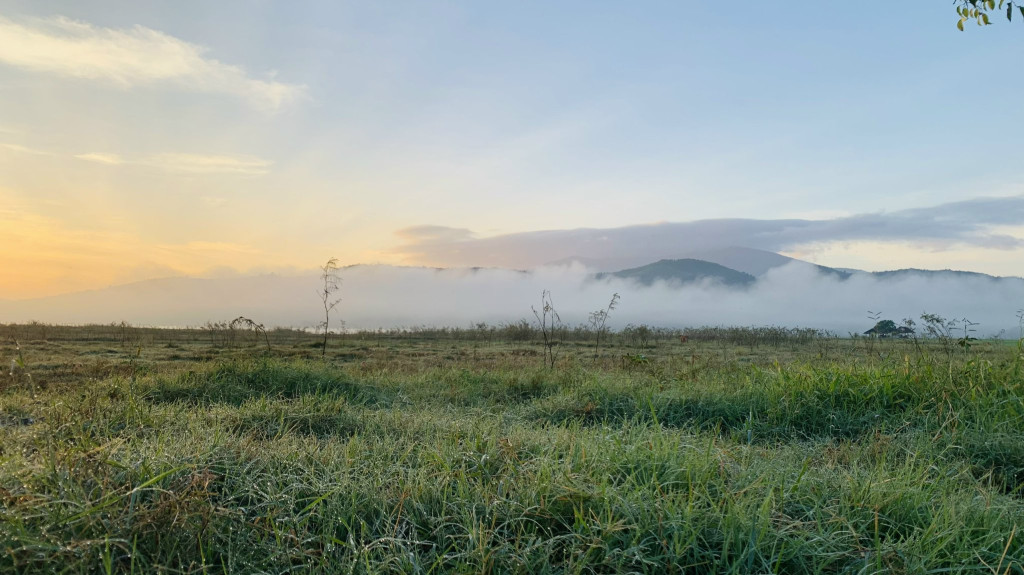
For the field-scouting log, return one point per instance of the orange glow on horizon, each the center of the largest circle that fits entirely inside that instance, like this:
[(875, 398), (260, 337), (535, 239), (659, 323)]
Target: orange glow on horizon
[(42, 258)]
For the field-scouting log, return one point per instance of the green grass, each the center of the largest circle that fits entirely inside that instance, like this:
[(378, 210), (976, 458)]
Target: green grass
[(437, 457)]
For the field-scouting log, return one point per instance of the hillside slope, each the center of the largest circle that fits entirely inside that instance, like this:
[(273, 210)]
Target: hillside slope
[(684, 271)]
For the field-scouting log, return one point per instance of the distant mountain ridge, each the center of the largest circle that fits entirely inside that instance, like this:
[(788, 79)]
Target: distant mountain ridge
[(750, 261), (939, 273), (741, 267), (759, 262), (683, 271)]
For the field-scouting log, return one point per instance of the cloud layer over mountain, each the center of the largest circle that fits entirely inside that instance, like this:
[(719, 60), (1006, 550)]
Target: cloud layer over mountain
[(971, 222)]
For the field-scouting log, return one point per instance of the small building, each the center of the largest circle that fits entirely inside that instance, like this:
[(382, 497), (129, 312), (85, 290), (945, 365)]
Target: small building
[(901, 332)]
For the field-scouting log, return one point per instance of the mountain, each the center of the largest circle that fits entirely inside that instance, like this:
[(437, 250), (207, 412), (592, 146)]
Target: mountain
[(931, 274), (747, 260), (683, 271), (758, 262), (602, 264)]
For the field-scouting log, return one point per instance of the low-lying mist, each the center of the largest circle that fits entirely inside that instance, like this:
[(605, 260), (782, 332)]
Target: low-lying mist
[(386, 297), (792, 295)]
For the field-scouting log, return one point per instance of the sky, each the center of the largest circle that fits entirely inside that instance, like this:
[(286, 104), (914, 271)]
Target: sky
[(153, 139)]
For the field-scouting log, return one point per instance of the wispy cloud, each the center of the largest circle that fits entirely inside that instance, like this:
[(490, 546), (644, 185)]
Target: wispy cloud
[(24, 149), (111, 159), (205, 164), (211, 248), (188, 163), (214, 202), (132, 57), (434, 233), (974, 222)]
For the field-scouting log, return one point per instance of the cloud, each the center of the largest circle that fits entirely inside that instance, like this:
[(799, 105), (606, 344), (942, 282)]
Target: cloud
[(434, 233), (970, 222), (127, 58), (145, 271), (214, 202), (111, 159), (212, 247), (206, 164), (189, 163), (24, 149)]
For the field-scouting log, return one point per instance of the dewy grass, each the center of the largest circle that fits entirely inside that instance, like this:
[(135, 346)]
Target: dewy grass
[(495, 465), (238, 381)]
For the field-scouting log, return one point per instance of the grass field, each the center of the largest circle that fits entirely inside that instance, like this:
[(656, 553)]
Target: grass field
[(176, 451)]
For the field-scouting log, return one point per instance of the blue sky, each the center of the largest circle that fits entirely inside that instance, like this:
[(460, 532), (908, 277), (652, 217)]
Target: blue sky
[(292, 131)]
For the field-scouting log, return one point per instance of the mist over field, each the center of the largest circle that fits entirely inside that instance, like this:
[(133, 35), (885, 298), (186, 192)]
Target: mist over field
[(388, 296)]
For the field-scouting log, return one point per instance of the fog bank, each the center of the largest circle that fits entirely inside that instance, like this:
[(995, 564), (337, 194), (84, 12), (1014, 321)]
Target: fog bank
[(386, 296)]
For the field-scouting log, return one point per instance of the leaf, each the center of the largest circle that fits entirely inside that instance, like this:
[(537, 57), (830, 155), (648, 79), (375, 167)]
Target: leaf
[(1021, 8), (960, 25), (984, 18)]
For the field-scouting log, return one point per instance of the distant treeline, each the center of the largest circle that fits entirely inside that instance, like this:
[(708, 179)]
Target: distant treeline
[(632, 335), (231, 333)]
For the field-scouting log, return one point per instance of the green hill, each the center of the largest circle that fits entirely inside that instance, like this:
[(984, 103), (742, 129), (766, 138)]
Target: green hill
[(683, 271)]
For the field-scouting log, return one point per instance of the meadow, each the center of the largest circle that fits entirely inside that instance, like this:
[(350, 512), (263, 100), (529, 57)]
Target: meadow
[(215, 450)]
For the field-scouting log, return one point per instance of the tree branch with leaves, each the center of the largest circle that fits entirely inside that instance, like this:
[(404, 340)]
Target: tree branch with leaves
[(979, 10)]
